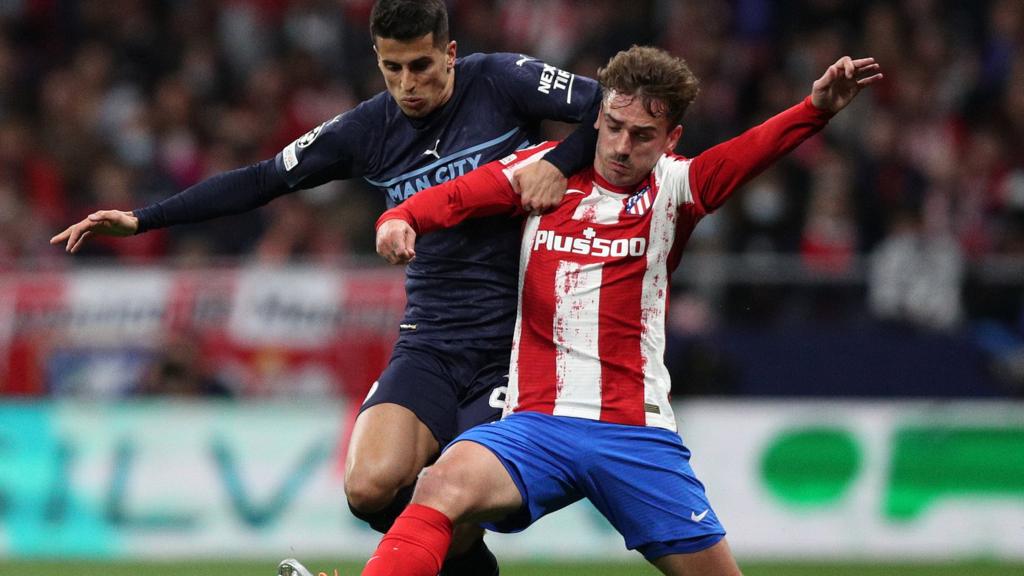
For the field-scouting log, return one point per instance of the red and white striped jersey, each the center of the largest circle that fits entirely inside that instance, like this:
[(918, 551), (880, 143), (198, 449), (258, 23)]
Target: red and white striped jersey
[(594, 277)]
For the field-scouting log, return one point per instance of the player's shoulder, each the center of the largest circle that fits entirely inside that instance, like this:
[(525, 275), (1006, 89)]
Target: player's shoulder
[(360, 117), (374, 107), (493, 63), (671, 161)]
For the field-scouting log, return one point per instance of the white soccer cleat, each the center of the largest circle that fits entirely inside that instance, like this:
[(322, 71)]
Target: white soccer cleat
[(292, 567)]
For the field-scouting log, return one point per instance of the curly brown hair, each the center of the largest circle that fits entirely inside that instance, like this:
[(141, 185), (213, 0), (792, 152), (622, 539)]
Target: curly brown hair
[(663, 82)]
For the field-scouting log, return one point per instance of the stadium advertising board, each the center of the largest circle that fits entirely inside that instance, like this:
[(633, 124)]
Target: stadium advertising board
[(793, 479), (256, 331)]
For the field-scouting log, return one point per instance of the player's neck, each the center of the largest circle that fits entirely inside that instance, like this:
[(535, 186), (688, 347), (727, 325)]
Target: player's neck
[(620, 189)]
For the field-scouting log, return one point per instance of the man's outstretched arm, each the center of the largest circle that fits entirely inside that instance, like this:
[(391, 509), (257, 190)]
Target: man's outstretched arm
[(331, 151), (232, 192), (717, 172)]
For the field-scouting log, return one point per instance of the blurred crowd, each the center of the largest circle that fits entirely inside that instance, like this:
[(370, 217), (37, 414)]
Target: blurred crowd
[(117, 104)]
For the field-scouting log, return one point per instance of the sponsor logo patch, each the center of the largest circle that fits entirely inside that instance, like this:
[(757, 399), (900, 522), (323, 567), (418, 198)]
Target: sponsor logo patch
[(589, 245)]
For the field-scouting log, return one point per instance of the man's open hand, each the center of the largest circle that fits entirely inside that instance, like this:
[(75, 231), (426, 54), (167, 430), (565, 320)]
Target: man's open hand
[(104, 223)]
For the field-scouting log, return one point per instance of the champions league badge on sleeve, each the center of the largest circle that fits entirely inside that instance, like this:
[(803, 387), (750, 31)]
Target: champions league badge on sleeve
[(291, 154)]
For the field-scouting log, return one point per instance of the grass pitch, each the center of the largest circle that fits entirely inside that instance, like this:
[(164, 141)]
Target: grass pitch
[(250, 568)]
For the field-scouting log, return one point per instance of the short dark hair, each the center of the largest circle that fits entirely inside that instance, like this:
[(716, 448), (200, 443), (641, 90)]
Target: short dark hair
[(410, 19), (653, 75)]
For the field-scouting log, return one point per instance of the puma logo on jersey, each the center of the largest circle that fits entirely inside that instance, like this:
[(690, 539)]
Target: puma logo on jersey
[(589, 245), (433, 151)]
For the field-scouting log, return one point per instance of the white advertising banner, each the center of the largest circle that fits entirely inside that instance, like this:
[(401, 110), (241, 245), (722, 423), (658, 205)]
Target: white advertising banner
[(788, 479)]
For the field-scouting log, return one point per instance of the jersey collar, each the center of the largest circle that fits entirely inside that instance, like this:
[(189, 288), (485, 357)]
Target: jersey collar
[(627, 190)]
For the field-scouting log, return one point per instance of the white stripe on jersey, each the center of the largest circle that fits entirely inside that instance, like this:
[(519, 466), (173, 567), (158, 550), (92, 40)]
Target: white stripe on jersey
[(664, 216), (577, 361), (599, 207)]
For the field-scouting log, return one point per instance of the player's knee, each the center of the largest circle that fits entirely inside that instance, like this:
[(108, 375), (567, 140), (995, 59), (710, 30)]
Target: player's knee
[(445, 490), (370, 492), (381, 518)]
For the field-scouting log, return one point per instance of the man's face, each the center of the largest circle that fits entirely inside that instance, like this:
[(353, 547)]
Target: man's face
[(630, 140), (418, 74)]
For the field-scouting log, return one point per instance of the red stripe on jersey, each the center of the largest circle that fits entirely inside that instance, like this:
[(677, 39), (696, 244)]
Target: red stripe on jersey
[(538, 373), (620, 331)]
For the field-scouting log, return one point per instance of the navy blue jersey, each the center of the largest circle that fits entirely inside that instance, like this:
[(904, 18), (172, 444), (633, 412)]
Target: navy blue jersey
[(463, 282)]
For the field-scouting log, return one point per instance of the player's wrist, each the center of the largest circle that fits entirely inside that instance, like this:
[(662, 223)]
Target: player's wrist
[(819, 107)]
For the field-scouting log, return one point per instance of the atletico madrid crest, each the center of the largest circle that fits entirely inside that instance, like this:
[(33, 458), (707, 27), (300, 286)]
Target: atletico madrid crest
[(639, 203)]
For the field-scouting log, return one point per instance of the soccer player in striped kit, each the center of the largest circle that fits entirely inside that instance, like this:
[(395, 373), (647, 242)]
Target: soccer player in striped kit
[(587, 413)]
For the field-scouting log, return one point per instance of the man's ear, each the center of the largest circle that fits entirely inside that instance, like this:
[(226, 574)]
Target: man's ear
[(451, 52), (673, 138), (600, 114)]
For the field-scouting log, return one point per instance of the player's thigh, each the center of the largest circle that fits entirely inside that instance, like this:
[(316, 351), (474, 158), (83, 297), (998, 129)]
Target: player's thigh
[(714, 561), (389, 446), (405, 419), (468, 484), (482, 394), (640, 479)]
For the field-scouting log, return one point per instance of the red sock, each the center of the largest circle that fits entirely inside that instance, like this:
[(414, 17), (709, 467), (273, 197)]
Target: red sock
[(415, 546)]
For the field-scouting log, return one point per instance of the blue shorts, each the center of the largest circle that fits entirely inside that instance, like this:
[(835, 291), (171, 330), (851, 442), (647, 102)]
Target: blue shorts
[(638, 477), (450, 385)]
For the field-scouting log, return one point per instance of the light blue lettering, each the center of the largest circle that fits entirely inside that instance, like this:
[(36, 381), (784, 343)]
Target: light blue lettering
[(256, 515)]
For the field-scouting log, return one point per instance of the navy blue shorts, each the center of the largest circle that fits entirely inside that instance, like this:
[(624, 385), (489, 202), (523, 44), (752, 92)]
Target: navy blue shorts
[(451, 385), (638, 477)]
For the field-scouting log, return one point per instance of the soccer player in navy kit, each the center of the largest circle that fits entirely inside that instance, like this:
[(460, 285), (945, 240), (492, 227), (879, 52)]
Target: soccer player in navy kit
[(588, 412), (440, 118)]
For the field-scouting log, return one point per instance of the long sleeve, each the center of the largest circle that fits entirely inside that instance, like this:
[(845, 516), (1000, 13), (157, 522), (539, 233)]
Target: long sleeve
[(716, 173), (483, 192), (576, 152), (231, 192)]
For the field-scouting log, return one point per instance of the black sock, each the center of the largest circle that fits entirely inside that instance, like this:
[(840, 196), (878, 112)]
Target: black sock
[(477, 561)]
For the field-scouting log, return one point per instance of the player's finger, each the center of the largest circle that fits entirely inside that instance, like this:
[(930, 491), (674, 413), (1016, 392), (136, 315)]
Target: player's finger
[(870, 80), (527, 200), (81, 239), (517, 186), (848, 68), (61, 237), (73, 233), (409, 240), (861, 62), (868, 69)]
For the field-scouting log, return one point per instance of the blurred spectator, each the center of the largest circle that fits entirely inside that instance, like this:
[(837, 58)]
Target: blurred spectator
[(178, 370), (916, 274)]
